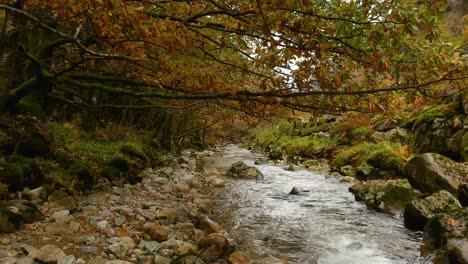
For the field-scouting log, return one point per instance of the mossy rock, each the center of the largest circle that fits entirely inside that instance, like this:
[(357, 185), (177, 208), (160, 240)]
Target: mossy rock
[(244, 171), (134, 152), (390, 196), (445, 237), (433, 128), (418, 212), (432, 172)]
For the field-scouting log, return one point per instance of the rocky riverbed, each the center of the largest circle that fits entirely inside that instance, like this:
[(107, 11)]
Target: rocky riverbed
[(161, 220)]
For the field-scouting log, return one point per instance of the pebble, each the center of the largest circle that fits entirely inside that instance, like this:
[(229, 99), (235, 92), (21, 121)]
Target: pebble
[(158, 216)]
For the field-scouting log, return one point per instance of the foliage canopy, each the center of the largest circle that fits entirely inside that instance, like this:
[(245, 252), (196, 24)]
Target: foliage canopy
[(254, 55)]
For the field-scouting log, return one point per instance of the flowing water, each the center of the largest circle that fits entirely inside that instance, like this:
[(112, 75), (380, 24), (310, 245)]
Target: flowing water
[(323, 226)]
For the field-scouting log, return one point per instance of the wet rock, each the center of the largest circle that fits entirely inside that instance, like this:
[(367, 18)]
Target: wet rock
[(157, 232), (244, 171), (48, 254), (239, 257), (295, 190), (432, 172), (390, 196), (213, 246), (445, 237), (203, 222), (179, 247), (419, 211)]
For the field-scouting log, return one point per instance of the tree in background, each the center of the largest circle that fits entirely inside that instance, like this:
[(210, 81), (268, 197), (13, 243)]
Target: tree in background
[(143, 60)]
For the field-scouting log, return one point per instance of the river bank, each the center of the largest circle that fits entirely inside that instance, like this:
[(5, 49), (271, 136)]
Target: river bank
[(162, 219), (413, 165)]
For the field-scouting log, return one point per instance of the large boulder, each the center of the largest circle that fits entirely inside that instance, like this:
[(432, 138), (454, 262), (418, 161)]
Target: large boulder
[(386, 196), (445, 236), (244, 171), (432, 172), (433, 128), (419, 211)]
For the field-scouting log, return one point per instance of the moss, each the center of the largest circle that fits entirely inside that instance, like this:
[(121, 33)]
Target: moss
[(430, 113), (384, 156), (359, 134), (133, 151), (309, 146)]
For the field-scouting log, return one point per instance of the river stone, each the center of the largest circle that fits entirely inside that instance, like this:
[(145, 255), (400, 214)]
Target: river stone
[(157, 232), (213, 247), (150, 246), (295, 190), (432, 172), (162, 260), (445, 237), (389, 196), (244, 171), (239, 257), (61, 228), (48, 254), (419, 211), (118, 262), (179, 247), (60, 200)]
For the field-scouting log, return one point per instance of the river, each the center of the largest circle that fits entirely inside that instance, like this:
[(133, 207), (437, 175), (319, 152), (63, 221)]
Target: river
[(323, 226)]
